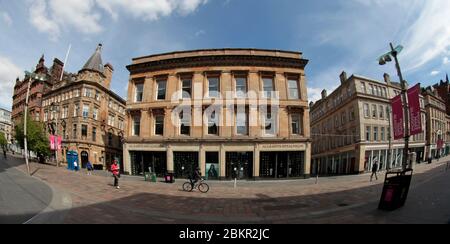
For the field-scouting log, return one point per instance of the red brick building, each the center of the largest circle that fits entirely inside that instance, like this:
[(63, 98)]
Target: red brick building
[(38, 88)]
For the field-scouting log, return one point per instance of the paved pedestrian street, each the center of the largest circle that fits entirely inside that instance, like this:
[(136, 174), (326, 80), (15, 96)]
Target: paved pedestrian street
[(344, 199)]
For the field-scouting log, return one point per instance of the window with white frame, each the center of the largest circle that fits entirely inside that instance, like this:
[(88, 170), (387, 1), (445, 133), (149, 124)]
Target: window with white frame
[(139, 92), (85, 111), (293, 89), (296, 124), (241, 86), (213, 86), (268, 87), (161, 89)]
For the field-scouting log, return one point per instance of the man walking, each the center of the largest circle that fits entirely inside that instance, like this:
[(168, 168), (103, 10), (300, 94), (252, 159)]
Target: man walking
[(374, 171)]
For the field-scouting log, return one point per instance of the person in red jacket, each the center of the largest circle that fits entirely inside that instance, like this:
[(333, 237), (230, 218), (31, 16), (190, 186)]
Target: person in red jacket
[(115, 171)]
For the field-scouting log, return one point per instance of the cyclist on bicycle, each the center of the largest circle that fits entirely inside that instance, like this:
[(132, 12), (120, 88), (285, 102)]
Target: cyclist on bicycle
[(196, 176)]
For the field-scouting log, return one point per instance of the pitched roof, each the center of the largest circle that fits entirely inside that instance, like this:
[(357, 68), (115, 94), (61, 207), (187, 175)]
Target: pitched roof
[(95, 61)]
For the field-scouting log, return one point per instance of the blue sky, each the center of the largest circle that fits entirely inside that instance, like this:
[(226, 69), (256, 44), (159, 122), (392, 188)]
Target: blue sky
[(334, 35)]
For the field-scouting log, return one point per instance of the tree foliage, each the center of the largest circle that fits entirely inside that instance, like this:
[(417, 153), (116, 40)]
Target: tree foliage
[(37, 139), (3, 141)]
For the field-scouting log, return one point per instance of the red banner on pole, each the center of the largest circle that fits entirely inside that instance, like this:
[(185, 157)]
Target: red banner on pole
[(414, 110), (397, 117), (52, 142), (59, 142)]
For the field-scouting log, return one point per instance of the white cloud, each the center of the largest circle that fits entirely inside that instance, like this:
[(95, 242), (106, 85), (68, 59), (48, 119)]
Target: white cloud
[(429, 36), (8, 74), (199, 33), (6, 18), (434, 73), (39, 19), (445, 61), (53, 16), (314, 94)]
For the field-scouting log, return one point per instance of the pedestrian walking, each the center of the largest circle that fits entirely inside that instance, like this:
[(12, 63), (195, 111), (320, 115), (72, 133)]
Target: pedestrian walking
[(75, 165), (374, 171), (116, 173), (89, 167), (4, 153)]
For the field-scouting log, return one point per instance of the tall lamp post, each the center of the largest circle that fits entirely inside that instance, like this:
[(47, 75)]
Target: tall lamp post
[(31, 76), (55, 109), (382, 61)]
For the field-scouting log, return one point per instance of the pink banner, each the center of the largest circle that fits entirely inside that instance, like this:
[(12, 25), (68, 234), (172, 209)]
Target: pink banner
[(397, 117), (414, 110), (52, 142), (59, 143)]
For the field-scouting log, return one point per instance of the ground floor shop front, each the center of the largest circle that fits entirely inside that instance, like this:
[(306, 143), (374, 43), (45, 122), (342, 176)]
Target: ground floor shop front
[(219, 161), (360, 159), (100, 157)]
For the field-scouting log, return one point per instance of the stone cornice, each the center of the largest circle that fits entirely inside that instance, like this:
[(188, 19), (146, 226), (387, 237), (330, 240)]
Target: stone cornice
[(223, 60)]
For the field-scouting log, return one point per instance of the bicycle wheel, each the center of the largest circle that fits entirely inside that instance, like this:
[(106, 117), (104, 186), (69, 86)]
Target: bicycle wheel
[(187, 186), (203, 187)]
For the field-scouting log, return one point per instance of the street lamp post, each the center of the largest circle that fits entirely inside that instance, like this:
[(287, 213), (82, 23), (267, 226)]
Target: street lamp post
[(55, 109), (382, 61)]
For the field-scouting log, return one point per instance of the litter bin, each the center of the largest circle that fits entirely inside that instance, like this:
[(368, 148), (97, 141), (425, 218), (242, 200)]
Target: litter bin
[(153, 178), (169, 178), (147, 176), (395, 190)]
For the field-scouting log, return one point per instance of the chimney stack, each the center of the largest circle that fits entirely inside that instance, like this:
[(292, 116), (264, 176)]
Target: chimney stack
[(343, 77), (57, 70), (108, 72), (387, 78), (324, 94)]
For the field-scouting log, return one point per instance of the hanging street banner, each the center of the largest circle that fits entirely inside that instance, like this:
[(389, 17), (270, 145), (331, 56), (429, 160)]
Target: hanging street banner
[(414, 110), (52, 142), (397, 117), (59, 142)]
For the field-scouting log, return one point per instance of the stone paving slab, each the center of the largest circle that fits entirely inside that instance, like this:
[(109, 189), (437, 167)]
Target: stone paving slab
[(95, 200)]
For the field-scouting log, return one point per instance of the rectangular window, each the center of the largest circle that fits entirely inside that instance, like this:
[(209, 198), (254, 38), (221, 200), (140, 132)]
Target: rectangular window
[(74, 131), (212, 124), (77, 93), (381, 111), (76, 110), (95, 113), (270, 127), (368, 133), (139, 94), (374, 111), (186, 88), (94, 134), (111, 120), (384, 92), (136, 126), (363, 87), (242, 122), (375, 133), (87, 92), (97, 95), (85, 111), (185, 124), (121, 124), (65, 112), (296, 124), (293, 89), (159, 125), (366, 110), (268, 87), (161, 90), (84, 129), (241, 87), (213, 87), (382, 134)]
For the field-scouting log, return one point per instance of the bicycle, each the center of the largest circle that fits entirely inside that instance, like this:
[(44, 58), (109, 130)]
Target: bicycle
[(201, 186)]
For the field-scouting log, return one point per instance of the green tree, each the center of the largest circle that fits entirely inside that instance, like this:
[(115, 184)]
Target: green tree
[(38, 141), (3, 141)]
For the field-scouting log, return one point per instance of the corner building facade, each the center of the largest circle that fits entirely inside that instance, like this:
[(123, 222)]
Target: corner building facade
[(258, 129)]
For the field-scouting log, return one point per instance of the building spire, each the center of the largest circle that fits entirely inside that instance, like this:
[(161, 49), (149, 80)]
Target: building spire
[(95, 62)]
